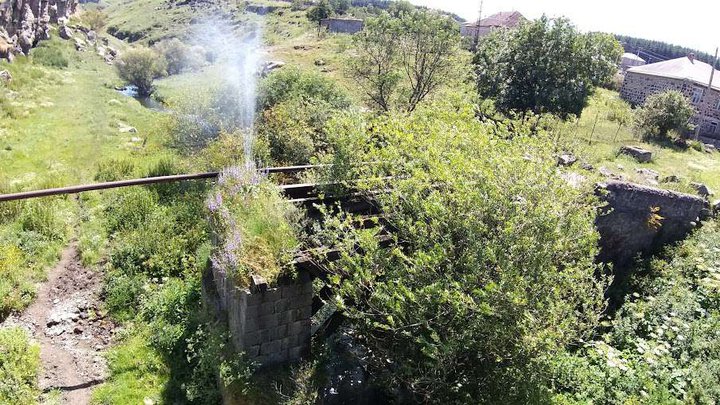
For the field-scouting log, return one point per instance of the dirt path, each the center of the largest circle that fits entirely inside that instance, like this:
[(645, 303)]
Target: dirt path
[(65, 320)]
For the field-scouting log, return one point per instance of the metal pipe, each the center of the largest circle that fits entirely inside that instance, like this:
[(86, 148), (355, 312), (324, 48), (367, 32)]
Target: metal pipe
[(137, 182)]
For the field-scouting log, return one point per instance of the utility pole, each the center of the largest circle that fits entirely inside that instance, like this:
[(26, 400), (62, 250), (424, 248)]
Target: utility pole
[(477, 26), (709, 88)]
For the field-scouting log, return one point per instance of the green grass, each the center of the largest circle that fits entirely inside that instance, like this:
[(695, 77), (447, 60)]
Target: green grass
[(600, 148), (19, 365), (137, 372)]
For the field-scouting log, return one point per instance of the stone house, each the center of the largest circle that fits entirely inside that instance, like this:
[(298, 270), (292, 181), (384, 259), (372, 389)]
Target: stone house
[(629, 60), (686, 75), (479, 29), (342, 25)]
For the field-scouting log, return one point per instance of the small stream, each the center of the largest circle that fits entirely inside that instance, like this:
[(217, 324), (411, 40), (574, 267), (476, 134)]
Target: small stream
[(147, 102)]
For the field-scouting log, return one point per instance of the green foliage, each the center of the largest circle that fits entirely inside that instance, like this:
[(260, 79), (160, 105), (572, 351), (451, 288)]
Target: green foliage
[(19, 366), (290, 83), (400, 61), (545, 66), (95, 19), (50, 54), (255, 227), (663, 346), (178, 56), (139, 67), (294, 130), (495, 272), (663, 49), (320, 11), (662, 113)]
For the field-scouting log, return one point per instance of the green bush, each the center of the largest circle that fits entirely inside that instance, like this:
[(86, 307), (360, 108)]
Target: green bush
[(294, 131), (51, 54), (139, 67), (288, 83), (178, 56), (19, 367), (494, 275), (662, 113), (129, 208), (43, 217), (123, 292)]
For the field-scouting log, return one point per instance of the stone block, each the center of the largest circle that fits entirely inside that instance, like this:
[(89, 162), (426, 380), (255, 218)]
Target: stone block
[(268, 321), (281, 305), (284, 318), (251, 339), (296, 353), (290, 291), (640, 154), (252, 351), (285, 343), (281, 331), (266, 308), (272, 295), (270, 347), (252, 311)]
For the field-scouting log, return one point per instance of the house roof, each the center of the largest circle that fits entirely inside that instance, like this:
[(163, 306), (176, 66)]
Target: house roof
[(685, 68), (632, 56), (507, 19)]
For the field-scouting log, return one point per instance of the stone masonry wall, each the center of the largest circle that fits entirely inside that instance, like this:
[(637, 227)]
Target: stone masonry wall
[(637, 87), (624, 226), (270, 327), (343, 25)]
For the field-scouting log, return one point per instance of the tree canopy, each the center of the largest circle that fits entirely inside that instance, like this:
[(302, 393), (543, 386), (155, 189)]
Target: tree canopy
[(545, 66)]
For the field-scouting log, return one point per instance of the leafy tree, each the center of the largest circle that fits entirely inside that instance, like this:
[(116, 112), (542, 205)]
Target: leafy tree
[(402, 60), (320, 11), (340, 6), (177, 55), (494, 274), (291, 83), (662, 113), (544, 66), (95, 19), (139, 67)]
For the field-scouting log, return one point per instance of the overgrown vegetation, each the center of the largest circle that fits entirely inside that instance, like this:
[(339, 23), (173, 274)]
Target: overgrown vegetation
[(140, 67)]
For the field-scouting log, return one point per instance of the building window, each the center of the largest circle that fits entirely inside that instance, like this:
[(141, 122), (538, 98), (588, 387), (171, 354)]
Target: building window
[(697, 95), (713, 128), (717, 106)]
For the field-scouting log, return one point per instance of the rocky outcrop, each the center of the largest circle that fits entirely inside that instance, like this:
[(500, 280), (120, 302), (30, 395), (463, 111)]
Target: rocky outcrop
[(25, 22), (640, 220)]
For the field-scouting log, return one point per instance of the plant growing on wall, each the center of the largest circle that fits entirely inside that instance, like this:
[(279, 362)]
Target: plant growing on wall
[(253, 225)]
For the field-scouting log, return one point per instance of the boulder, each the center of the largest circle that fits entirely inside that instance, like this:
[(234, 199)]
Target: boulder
[(5, 77), (65, 32), (640, 219), (670, 179), (320, 62), (640, 154), (709, 148), (587, 166), (566, 159), (270, 67), (702, 189)]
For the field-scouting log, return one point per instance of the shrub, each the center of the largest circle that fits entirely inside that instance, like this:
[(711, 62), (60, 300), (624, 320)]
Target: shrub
[(495, 272), (122, 293), (19, 367), (51, 54), (294, 130), (662, 113), (129, 208), (179, 56), (94, 19), (139, 67), (288, 83), (545, 66), (254, 225), (42, 218)]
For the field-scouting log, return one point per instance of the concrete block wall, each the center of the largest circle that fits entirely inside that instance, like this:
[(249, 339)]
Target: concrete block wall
[(271, 326), (343, 25)]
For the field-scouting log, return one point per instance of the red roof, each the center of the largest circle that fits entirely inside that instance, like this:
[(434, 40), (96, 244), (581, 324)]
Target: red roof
[(507, 19)]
